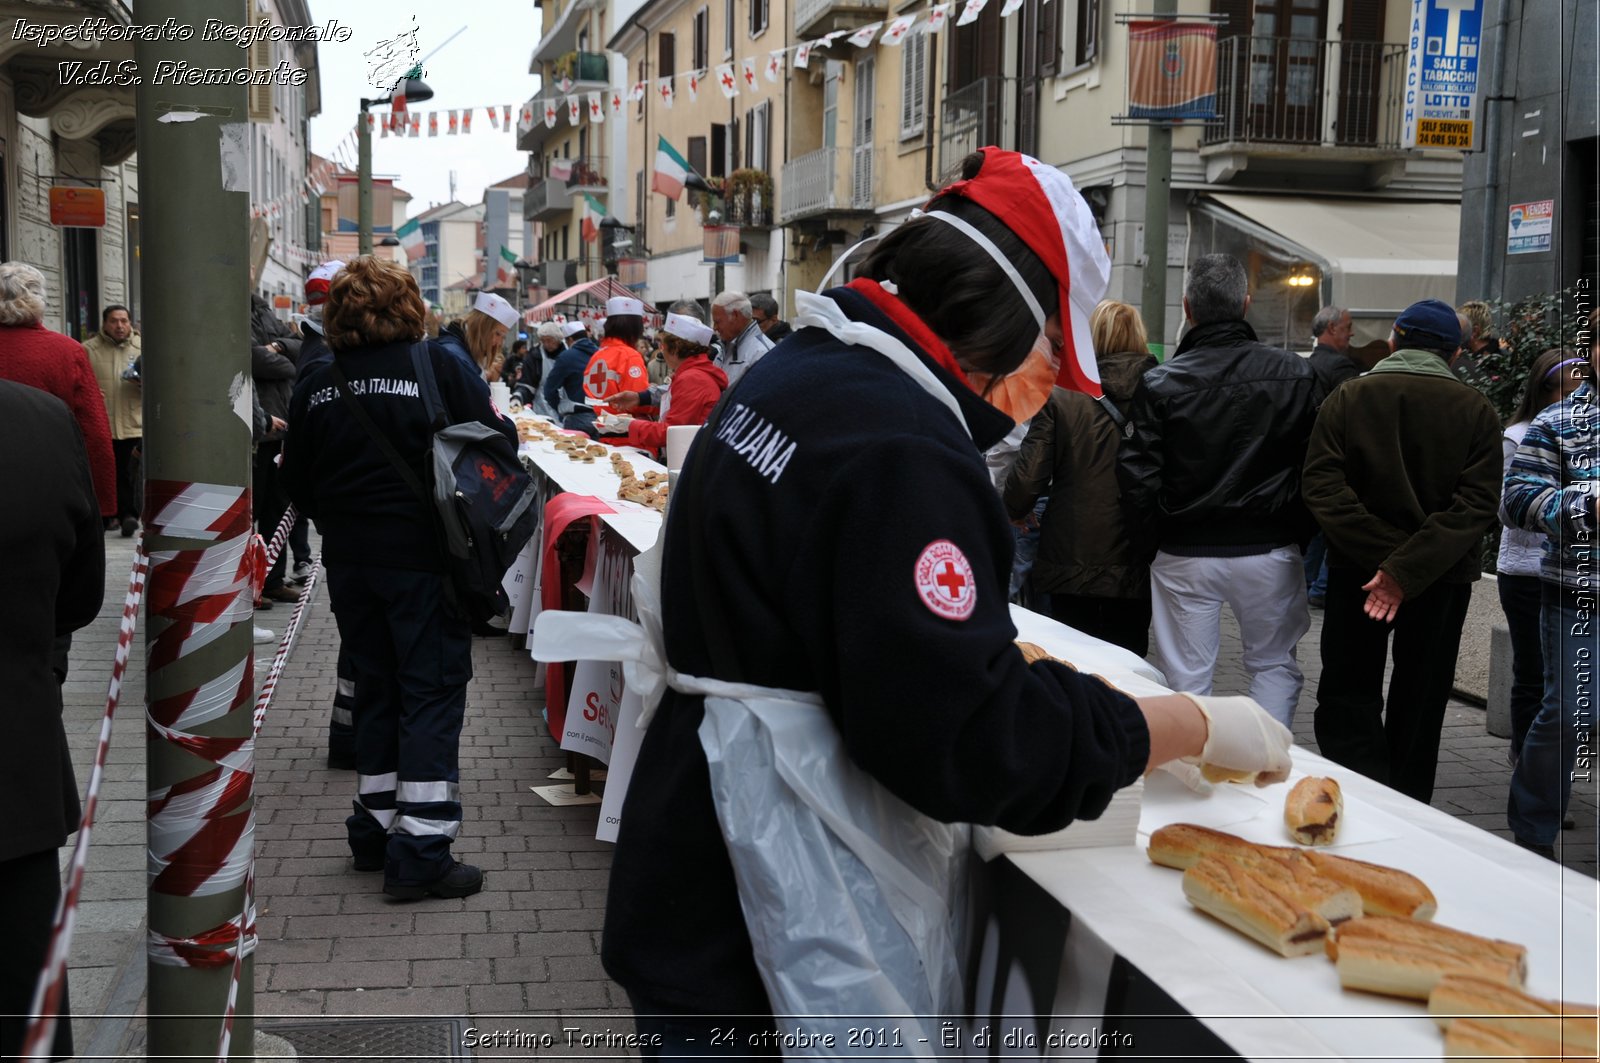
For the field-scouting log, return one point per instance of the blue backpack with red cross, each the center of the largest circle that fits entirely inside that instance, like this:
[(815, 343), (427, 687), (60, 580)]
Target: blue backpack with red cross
[(483, 497)]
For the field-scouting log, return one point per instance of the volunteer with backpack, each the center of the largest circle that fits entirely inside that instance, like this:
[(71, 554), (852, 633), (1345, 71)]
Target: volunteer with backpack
[(411, 651), (833, 599)]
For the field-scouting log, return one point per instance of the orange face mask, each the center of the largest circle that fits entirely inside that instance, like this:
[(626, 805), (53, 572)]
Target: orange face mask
[(1022, 393)]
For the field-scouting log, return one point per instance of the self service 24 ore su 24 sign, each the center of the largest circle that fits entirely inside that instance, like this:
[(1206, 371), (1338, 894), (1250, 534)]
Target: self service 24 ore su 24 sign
[(1442, 73)]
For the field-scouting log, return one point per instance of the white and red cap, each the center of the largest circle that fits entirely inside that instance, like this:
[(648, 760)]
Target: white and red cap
[(622, 306), (687, 328), (318, 283), (497, 308), (1039, 204)]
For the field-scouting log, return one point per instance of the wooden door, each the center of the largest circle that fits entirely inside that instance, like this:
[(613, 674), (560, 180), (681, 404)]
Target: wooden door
[(1285, 72), (1361, 58)]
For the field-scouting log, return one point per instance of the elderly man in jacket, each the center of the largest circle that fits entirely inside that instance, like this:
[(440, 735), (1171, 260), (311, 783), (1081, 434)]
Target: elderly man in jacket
[(112, 353), (742, 343), (1212, 471), (1403, 474)]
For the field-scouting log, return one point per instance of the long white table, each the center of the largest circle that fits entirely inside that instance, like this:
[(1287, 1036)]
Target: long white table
[(1263, 1005), (638, 525)]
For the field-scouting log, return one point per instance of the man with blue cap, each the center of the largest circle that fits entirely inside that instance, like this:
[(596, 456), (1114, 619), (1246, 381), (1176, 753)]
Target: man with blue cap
[(1403, 475)]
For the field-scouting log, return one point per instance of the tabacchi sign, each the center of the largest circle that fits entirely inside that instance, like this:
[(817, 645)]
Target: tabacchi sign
[(1442, 73)]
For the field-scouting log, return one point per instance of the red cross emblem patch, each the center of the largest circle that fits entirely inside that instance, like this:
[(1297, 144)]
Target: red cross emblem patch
[(944, 581)]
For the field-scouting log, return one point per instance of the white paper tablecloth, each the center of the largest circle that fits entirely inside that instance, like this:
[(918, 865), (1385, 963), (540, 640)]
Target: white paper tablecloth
[(1269, 1007), (639, 525)]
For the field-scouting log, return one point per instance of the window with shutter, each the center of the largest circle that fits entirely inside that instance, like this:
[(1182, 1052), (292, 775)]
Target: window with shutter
[(667, 64), (702, 39), (727, 30), (1088, 32), (260, 100), (913, 84), (1049, 39), (719, 151), (697, 163), (758, 17)]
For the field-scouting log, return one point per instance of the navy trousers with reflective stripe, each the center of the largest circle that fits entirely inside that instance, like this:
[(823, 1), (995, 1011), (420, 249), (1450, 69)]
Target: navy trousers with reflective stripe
[(411, 662), (342, 721)]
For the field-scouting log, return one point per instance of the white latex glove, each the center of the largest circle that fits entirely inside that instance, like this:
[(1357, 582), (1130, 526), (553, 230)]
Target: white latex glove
[(1242, 738), (614, 424)]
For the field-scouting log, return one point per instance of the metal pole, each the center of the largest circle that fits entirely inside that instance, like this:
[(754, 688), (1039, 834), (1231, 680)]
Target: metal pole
[(1157, 199), (196, 281), (363, 183)]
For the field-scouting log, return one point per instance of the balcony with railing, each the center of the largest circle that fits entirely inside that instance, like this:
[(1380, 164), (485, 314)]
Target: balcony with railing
[(586, 174), (1287, 95), (970, 118), (812, 17), (545, 198), (839, 180)]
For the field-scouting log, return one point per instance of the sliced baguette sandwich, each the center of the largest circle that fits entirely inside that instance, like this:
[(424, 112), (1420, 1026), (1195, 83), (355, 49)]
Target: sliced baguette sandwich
[(1570, 1026), (1384, 890), (1407, 958), (1182, 845), (1238, 897), (1312, 811), (1478, 1039)]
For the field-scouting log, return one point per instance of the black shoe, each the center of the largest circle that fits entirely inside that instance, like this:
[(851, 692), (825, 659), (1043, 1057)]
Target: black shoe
[(1569, 823), (129, 526), (484, 629), (281, 593), (1317, 601), (363, 863), (1546, 851), (462, 880), (263, 605), (342, 761)]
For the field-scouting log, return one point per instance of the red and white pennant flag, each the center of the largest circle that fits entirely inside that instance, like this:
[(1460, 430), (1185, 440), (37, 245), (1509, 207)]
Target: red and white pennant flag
[(573, 113), (549, 115), (638, 91), (774, 65), (664, 90), (726, 80), (802, 55), (970, 13), (898, 29), (695, 77), (747, 74), (597, 108), (865, 35), (938, 15)]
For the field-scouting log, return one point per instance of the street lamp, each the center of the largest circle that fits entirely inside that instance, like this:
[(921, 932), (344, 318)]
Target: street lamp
[(413, 90)]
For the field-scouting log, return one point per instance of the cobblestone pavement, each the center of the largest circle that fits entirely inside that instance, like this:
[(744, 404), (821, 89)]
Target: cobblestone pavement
[(332, 944)]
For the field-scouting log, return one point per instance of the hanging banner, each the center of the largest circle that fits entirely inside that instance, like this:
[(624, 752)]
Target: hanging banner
[(505, 116), (455, 123), (466, 121), (494, 119), (695, 77), (774, 65), (573, 112), (726, 81), (866, 34), (721, 245), (433, 123), (597, 108), (1009, 8), (550, 115), (616, 102), (970, 13), (664, 90), (1442, 74), (802, 55), (1172, 70), (937, 17), (638, 91), (747, 74)]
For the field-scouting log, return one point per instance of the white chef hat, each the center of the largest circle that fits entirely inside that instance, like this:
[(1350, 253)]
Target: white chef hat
[(321, 278), (497, 308), (572, 328), (621, 306), (687, 328)]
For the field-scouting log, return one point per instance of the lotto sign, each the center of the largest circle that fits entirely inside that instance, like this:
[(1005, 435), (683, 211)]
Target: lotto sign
[(1442, 73), (1529, 227)]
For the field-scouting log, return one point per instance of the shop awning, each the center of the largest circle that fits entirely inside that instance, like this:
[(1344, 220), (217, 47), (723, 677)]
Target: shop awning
[(596, 292), (1381, 255)]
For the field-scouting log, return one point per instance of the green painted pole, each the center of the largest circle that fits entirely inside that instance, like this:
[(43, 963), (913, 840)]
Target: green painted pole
[(195, 263), (1157, 200)]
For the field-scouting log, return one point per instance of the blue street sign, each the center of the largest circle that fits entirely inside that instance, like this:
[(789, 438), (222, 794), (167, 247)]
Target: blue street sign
[(1442, 73)]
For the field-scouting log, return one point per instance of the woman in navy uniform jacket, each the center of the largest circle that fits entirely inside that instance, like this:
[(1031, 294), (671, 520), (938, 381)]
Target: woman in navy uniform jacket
[(835, 530), (411, 653)]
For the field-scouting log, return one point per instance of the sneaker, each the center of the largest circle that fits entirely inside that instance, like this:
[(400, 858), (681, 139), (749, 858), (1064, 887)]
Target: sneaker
[(282, 593), (129, 526), (462, 880), (265, 634), (302, 572)]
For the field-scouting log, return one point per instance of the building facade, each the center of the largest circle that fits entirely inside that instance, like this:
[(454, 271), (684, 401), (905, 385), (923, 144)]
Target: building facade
[(452, 251), (339, 222), (280, 153), (1530, 200), (505, 225)]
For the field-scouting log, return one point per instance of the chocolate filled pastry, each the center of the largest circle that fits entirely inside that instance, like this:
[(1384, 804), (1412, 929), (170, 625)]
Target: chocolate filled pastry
[(1235, 895), (1406, 958), (596, 450), (1556, 1023), (1384, 890), (1312, 811)]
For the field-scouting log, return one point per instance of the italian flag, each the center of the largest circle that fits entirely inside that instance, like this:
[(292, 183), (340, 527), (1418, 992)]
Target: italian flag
[(410, 235), (592, 213), (671, 169), (506, 275)]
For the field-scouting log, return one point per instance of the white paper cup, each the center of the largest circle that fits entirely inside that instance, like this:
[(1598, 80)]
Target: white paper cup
[(500, 395), (679, 436)]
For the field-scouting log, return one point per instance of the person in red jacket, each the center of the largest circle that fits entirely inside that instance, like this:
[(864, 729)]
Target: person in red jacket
[(33, 355), (696, 384), (617, 366)]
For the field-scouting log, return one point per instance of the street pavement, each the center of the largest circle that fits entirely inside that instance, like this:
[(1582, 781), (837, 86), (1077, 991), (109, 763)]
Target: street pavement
[(522, 955)]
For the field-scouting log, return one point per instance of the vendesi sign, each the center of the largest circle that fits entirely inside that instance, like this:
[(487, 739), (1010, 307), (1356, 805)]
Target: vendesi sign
[(1441, 91), (1529, 226)]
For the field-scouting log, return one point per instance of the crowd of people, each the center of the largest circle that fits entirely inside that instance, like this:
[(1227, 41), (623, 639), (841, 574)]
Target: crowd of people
[(1361, 480)]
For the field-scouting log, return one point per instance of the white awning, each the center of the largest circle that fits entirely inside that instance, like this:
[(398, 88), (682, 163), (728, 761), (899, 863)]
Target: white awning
[(1381, 255)]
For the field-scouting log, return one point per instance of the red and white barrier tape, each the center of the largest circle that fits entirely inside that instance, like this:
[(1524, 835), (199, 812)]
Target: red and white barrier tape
[(280, 537), (47, 993), (263, 700)]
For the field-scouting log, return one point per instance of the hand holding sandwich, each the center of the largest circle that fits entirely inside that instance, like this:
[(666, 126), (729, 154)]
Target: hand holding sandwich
[(1232, 734)]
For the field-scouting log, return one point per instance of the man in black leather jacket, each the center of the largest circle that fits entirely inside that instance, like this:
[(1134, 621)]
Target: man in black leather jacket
[(1212, 471)]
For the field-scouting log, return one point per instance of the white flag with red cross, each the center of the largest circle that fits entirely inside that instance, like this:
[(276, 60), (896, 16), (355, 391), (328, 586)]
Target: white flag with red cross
[(664, 90), (638, 91), (726, 80), (970, 13), (574, 112), (695, 77), (802, 55), (747, 75), (938, 15), (597, 108), (898, 29), (774, 65), (866, 34)]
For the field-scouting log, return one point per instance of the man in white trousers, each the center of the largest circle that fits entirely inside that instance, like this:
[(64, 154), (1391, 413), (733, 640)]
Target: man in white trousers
[(1211, 474)]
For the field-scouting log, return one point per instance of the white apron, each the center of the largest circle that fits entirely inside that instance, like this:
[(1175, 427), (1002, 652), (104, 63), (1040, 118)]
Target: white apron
[(853, 899)]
